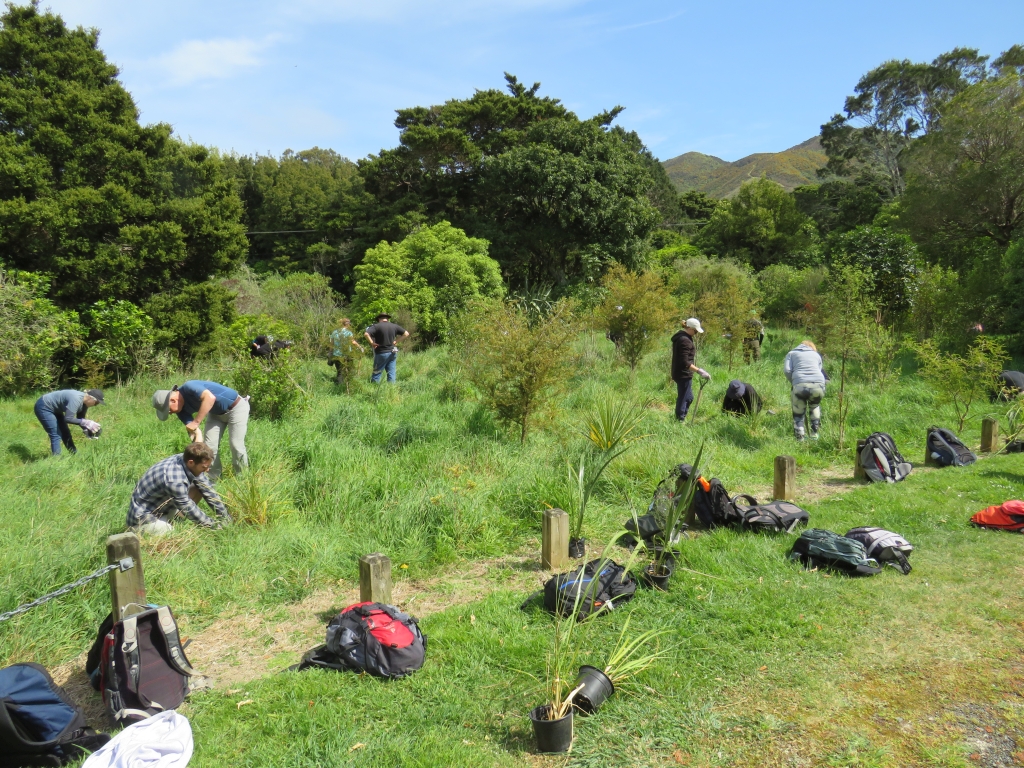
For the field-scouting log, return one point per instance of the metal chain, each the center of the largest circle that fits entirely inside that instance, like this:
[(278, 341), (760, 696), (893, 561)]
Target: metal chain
[(123, 565)]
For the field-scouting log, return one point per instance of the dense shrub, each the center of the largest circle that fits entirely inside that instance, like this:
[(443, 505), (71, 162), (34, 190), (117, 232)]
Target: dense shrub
[(120, 341), (516, 364), (720, 292), (434, 273), (36, 336), (303, 302), (786, 292), (891, 259), (188, 320), (247, 327), (271, 385), (636, 311)]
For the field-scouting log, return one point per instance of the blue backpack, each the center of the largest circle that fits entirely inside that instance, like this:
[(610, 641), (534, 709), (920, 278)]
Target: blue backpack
[(39, 723)]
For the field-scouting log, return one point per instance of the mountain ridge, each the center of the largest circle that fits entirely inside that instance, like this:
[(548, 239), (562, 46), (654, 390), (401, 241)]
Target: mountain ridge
[(720, 178)]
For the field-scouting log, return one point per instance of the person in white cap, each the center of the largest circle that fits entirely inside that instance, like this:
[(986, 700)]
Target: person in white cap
[(683, 353)]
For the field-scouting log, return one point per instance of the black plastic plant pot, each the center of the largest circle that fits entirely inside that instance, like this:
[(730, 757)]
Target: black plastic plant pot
[(551, 735), (577, 547), (597, 687), (659, 580)]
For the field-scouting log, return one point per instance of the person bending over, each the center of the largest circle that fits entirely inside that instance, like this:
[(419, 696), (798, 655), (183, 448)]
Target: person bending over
[(55, 410), (802, 367), (224, 411), (683, 354), (174, 487), (741, 398)]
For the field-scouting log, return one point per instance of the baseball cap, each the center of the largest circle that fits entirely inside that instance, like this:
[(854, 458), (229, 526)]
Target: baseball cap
[(96, 393), (162, 403), (694, 323)]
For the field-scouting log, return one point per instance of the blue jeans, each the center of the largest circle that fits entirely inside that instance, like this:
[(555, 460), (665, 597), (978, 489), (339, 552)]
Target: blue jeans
[(384, 361), (684, 391), (55, 427)]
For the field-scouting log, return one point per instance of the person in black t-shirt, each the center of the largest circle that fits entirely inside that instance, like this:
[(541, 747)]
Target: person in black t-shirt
[(382, 335), (741, 398)]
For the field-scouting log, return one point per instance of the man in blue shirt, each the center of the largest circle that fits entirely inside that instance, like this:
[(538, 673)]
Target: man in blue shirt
[(55, 410), (221, 407)]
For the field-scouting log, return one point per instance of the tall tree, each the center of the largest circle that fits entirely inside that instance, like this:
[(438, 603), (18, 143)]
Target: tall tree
[(556, 196), (967, 176), (108, 208), (760, 225)]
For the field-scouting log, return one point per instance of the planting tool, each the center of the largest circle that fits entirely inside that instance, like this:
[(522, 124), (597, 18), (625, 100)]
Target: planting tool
[(696, 405)]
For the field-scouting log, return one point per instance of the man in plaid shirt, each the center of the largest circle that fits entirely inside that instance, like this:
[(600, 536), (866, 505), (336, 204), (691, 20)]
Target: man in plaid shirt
[(172, 487)]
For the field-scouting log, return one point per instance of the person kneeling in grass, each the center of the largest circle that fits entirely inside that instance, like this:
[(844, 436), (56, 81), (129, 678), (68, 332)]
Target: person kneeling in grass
[(174, 487), (741, 398)]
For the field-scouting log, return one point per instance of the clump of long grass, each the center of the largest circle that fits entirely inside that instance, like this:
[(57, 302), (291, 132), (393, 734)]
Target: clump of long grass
[(256, 497)]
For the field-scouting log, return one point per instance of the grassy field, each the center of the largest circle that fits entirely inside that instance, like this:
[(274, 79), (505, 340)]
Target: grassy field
[(769, 665)]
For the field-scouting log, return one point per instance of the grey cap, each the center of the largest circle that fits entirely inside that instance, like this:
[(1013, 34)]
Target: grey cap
[(736, 390), (96, 393), (162, 403)]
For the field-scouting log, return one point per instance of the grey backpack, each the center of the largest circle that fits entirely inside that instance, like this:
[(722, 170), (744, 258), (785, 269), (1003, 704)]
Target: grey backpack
[(882, 460), (886, 547)]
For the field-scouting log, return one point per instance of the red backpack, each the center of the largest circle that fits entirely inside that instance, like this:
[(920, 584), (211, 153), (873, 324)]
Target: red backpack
[(371, 637), (1008, 516)]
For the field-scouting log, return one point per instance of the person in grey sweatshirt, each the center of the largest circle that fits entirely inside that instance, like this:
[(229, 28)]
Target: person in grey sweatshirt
[(804, 371)]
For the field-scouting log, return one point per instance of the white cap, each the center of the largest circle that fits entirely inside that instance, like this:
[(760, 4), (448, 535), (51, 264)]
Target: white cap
[(694, 323)]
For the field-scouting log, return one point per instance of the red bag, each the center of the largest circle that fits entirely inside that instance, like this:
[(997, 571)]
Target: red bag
[(1008, 516)]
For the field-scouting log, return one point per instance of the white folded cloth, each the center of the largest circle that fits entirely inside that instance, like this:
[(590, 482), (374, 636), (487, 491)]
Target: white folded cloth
[(162, 741)]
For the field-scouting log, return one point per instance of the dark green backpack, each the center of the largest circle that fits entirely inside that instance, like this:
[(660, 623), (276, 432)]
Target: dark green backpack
[(817, 548)]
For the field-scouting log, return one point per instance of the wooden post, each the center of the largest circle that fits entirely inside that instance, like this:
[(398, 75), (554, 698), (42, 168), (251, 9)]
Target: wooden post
[(375, 578), (785, 479), (989, 435), (858, 470), (127, 588), (554, 548)]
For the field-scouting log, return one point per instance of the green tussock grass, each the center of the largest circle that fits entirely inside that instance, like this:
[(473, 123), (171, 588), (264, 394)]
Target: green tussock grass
[(769, 664)]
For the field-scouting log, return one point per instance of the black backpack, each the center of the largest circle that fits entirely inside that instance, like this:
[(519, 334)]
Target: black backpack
[(713, 507), (886, 547), (946, 449), (772, 517), (143, 668), (645, 526), (39, 723), (371, 637), (881, 460), (586, 590), (817, 548)]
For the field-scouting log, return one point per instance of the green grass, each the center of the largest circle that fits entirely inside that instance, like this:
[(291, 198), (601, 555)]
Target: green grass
[(770, 665)]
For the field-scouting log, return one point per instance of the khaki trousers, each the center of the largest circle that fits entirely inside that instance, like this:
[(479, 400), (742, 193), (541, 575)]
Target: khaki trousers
[(236, 423)]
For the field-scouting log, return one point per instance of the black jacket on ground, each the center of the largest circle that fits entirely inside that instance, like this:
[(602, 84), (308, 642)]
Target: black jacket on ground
[(683, 353), (749, 402)]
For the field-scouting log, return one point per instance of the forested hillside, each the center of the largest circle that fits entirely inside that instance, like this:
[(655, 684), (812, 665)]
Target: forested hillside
[(719, 178)]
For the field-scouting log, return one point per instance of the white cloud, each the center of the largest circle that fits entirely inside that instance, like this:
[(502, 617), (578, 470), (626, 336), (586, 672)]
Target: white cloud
[(196, 60), (409, 10)]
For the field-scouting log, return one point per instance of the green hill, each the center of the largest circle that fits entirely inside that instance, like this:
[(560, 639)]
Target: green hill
[(719, 178)]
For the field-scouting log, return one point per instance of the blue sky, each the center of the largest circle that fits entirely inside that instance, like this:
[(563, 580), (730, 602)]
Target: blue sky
[(723, 78)]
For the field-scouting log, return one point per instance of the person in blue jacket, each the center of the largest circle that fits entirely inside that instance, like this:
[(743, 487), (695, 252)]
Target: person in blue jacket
[(223, 409), (55, 410)]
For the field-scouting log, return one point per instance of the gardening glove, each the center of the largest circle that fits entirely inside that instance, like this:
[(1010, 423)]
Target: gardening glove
[(704, 374), (90, 427)]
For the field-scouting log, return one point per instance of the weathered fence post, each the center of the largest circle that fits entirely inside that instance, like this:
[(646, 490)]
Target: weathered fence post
[(127, 588), (375, 578), (554, 547), (858, 470), (989, 435), (785, 479)]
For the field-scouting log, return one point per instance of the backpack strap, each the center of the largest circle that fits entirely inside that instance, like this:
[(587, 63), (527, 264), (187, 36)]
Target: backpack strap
[(130, 648), (902, 564), (747, 496), (170, 632)]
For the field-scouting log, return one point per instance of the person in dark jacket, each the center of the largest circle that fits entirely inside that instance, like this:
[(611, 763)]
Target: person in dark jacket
[(55, 410), (683, 354), (741, 398), (382, 336)]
